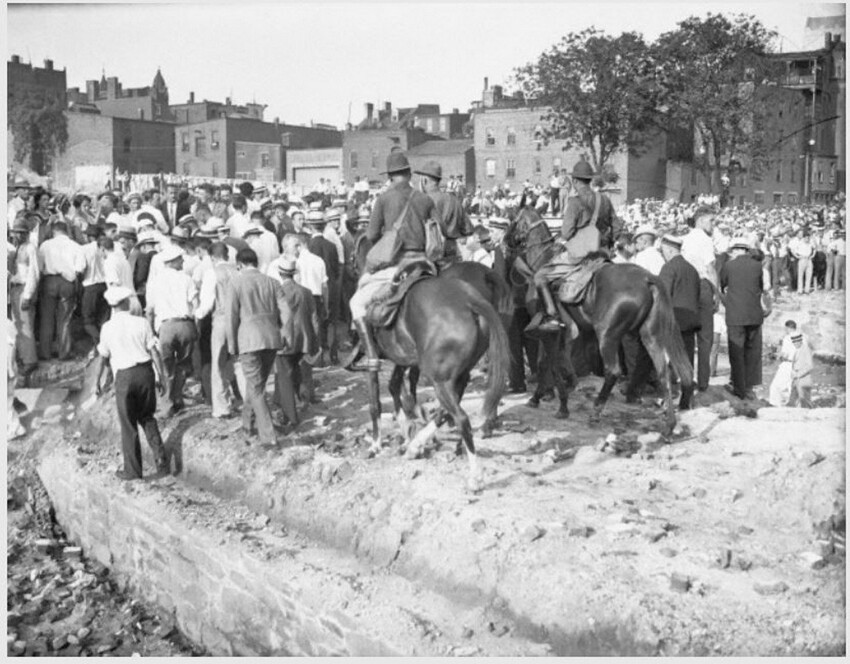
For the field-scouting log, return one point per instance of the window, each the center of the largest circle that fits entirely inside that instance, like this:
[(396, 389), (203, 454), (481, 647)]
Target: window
[(444, 125), (537, 166), (215, 169), (200, 146), (510, 171), (185, 168), (491, 137), (742, 180), (832, 173), (126, 144), (793, 171), (352, 159), (820, 176), (777, 199), (429, 125), (556, 163), (741, 200), (779, 172), (792, 199), (511, 136), (758, 197), (374, 159), (184, 137), (241, 154), (490, 166), (264, 160), (214, 140)]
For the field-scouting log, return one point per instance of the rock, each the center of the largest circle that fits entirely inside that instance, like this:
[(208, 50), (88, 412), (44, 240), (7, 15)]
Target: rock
[(771, 588), (812, 560), (587, 455), (59, 642), (622, 528), (467, 633), (345, 471), (653, 484), (668, 552), (465, 651), (19, 646), (532, 533), (45, 545), (581, 531), (72, 552), (479, 525), (825, 547), (743, 563), (261, 521), (680, 583), (735, 495), (699, 493), (649, 438), (724, 560), (73, 639), (745, 530), (83, 632)]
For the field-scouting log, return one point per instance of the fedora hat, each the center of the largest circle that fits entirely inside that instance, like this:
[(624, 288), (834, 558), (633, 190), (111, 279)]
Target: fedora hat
[(582, 171), (645, 229), (431, 169), (333, 213), (672, 240), (315, 217), (180, 233), (172, 252), (147, 238), (397, 162), (21, 183), (20, 225), (114, 295), (287, 266)]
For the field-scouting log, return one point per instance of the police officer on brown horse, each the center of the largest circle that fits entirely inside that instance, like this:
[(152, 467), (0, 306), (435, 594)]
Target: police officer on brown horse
[(590, 225)]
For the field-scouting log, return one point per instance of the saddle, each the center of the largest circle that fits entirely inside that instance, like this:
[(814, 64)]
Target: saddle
[(383, 311), (572, 286)]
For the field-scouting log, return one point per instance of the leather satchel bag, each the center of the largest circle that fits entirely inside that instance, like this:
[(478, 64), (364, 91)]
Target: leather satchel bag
[(434, 240), (383, 252)]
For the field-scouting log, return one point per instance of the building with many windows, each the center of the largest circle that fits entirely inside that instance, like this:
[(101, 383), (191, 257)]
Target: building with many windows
[(109, 97)]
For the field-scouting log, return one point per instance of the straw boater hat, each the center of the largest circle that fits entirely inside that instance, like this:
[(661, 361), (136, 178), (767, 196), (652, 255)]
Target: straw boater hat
[(180, 233), (363, 216), (500, 223), (645, 229), (115, 295), (315, 217), (741, 243), (21, 183), (147, 237), (253, 230), (171, 253), (287, 266), (333, 213), (672, 240)]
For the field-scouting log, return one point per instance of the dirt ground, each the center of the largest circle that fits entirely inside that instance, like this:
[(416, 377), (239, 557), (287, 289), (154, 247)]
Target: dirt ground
[(727, 539)]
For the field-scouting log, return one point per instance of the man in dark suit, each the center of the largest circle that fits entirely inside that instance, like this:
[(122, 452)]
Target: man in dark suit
[(682, 282), (320, 246), (742, 286), (300, 339), (169, 206), (255, 311)]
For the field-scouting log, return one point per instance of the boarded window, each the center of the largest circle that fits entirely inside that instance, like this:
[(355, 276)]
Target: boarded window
[(511, 136), (491, 137), (490, 167)]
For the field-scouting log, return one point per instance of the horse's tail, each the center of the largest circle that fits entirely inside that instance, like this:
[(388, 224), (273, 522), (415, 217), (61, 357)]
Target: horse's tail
[(499, 367), (665, 326), (503, 299)]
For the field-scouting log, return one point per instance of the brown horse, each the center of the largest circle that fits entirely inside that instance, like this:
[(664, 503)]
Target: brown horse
[(622, 299), (443, 327)]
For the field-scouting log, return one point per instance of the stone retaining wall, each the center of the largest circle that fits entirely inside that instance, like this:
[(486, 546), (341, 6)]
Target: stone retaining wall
[(227, 598)]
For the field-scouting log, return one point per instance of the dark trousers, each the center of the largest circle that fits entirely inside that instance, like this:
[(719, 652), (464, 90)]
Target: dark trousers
[(745, 357), (94, 310), (554, 200), (639, 364), (521, 345), (256, 367), (287, 383), (56, 306), (689, 338), (775, 274), (705, 335), (135, 394), (177, 342), (323, 320)]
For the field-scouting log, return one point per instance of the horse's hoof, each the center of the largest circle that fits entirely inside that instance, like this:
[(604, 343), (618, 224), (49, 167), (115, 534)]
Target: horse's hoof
[(533, 403), (562, 414)]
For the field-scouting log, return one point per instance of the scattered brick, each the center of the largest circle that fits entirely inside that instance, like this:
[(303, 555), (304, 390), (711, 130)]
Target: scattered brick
[(680, 583)]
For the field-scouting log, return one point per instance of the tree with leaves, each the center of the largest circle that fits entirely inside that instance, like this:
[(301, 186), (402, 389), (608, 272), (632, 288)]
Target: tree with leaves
[(599, 91), (714, 75), (38, 125)]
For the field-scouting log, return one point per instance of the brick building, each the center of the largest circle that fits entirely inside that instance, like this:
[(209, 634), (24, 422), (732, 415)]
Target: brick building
[(99, 144), (111, 98), (229, 147), (304, 168), (20, 74), (192, 112), (456, 157)]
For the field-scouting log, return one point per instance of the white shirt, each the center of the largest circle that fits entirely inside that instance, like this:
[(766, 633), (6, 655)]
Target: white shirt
[(15, 206), (126, 340), (206, 296), (116, 270), (649, 259), (238, 224), (93, 273), (172, 295), (837, 245), (61, 255), (698, 250), (26, 269), (311, 273), (332, 236), (266, 246), (159, 220), (482, 256)]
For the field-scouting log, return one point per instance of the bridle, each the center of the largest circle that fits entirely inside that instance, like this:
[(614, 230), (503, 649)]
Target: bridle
[(524, 245)]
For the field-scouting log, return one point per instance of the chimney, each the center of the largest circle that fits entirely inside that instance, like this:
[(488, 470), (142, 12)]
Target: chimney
[(455, 111), (16, 59), (388, 108), (277, 124), (486, 83), (48, 64), (827, 36), (191, 97), (370, 109), (227, 101)]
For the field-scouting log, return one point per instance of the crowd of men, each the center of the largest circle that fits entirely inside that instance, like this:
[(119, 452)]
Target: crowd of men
[(229, 284)]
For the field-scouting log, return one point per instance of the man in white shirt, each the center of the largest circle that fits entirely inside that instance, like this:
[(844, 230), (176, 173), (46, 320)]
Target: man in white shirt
[(149, 206), (23, 289), (263, 242), (60, 261), (94, 309), (239, 222), (128, 346), (803, 250), (698, 250), (646, 255), (838, 248), (171, 301), (19, 201)]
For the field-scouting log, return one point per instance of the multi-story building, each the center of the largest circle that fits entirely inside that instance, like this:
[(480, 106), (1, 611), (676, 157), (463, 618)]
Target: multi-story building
[(111, 98), (456, 157), (99, 144), (306, 168), (228, 147), (201, 111), (20, 74)]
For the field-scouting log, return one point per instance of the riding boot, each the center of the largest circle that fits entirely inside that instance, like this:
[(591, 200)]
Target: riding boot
[(552, 322), (365, 345)]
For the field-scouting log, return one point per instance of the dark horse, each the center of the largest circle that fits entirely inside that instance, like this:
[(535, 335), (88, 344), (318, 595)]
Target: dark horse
[(622, 299), (443, 327)]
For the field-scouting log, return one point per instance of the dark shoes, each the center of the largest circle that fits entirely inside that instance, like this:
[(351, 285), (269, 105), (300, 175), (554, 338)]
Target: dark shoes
[(517, 389), (121, 475)]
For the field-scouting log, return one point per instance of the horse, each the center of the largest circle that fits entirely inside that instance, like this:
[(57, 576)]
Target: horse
[(443, 327), (622, 299)]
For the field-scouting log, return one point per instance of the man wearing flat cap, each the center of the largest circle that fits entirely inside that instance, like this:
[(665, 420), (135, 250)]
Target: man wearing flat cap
[(454, 221), (590, 224), (401, 205), (128, 347)]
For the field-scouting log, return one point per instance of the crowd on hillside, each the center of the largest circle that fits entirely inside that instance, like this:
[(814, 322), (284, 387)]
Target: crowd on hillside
[(65, 252)]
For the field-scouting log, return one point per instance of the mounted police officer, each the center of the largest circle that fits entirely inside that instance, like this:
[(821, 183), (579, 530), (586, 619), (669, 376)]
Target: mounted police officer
[(590, 225), (399, 214), (454, 221)]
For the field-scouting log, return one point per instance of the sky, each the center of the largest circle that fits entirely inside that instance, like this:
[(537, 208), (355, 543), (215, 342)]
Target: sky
[(321, 62)]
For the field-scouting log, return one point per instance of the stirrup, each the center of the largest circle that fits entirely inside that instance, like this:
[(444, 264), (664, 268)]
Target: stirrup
[(551, 324), (373, 364)]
